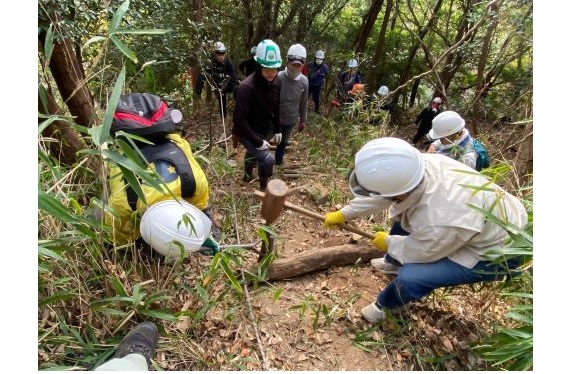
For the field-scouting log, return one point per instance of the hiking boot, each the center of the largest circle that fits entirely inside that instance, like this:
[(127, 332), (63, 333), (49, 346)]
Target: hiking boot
[(142, 339), (384, 267), (372, 313), (248, 172), (264, 183)]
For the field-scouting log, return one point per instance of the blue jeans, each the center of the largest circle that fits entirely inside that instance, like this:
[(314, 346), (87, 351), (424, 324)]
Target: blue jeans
[(414, 281), (280, 149)]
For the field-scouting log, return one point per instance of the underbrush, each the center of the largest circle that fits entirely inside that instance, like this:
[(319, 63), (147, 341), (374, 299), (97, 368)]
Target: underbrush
[(91, 291)]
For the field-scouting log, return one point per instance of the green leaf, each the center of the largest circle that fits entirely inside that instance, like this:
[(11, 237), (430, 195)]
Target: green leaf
[(95, 39), (49, 42), (143, 32), (118, 286), (54, 208), (118, 17), (230, 275), (49, 253), (100, 134), (128, 52), (164, 315), (57, 297)]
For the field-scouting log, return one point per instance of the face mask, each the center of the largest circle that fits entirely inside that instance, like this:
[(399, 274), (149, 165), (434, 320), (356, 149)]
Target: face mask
[(318, 61), (292, 74)]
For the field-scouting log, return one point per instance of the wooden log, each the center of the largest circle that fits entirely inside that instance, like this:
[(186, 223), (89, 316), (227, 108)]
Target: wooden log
[(317, 259), (274, 200)]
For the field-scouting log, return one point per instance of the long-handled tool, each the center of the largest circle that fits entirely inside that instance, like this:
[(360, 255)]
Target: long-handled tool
[(273, 203)]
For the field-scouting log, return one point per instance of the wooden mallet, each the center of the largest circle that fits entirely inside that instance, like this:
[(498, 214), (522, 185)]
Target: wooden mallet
[(274, 202)]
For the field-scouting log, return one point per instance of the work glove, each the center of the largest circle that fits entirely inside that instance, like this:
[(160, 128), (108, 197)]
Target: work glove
[(380, 240), (277, 138), (301, 126), (265, 145), (209, 247), (334, 218)]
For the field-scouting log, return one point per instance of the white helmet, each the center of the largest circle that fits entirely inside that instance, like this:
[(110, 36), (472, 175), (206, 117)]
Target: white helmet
[(297, 52), (387, 167), (437, 100), (352, 63), (320, 54), (268, 54), (171, 227), (219, 47), (383, 90), (445, 124)]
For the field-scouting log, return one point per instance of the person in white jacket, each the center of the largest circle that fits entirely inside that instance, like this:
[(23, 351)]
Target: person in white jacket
[(445, 237)]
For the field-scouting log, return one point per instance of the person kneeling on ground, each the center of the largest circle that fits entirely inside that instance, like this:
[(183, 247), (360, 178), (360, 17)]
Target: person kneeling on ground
[(443, 240)]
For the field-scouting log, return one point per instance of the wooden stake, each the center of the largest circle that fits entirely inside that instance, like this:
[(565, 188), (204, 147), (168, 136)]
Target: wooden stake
[(273, 200)]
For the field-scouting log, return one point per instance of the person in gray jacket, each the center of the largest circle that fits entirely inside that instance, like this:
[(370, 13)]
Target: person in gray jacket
[(445, 238), (452, 139), (293, 97)]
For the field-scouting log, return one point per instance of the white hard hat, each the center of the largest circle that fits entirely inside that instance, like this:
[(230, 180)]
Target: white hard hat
[(268, 54), (387, 167), (383, 90), (437, 100), (445, 124), (320, 54), (297, 52), (171, 227), (352, 63), (219, 47)]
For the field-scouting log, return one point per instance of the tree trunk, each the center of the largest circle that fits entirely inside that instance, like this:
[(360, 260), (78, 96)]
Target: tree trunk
[(69, 142), (377, 75), (71, 82), (406, 72), (477, 108), (367, 26), (320, 259), (524, 159)]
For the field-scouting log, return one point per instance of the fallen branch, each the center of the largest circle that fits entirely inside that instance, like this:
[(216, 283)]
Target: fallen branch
[(319, 259)]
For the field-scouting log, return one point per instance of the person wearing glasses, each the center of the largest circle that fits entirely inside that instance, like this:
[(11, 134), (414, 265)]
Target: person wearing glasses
[(444, 236), (220, 74)]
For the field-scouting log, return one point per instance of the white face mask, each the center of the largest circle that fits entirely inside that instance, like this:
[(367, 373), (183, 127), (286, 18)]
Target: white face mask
[(318, 61), (292, 74)]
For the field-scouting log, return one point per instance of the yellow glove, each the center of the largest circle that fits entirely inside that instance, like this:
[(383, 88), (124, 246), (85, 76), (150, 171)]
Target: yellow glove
[(334, 218), (380, 240)]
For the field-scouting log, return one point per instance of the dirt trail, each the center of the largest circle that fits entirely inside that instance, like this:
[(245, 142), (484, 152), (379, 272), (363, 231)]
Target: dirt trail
[(315, 323)]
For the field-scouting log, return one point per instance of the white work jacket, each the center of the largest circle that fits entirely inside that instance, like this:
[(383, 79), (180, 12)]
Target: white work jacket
[(439, 217)]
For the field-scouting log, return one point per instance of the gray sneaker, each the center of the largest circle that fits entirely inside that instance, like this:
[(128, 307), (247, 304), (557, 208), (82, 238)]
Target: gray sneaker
[(384, 267), (142, 339)]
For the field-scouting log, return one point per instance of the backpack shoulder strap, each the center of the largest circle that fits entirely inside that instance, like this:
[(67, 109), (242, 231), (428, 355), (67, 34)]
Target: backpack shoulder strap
[(170, 152)]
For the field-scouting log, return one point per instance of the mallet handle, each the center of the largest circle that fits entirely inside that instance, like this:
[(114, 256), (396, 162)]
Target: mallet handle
[(309, 213)]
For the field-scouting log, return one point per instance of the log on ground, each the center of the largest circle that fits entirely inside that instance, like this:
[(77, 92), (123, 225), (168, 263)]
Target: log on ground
[(319, 259)]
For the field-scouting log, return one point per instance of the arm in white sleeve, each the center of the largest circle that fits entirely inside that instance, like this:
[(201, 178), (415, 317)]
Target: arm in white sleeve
[(362, 206), (429, 245)]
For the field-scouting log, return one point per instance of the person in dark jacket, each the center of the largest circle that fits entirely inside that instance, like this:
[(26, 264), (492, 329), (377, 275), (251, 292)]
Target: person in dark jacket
[(248, 66), (316, 72), (257, 113), (424, 119), (220, 74), (346, 80)]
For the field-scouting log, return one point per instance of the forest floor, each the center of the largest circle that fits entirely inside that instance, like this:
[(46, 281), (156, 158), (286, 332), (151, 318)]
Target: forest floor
[(315, 323)]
